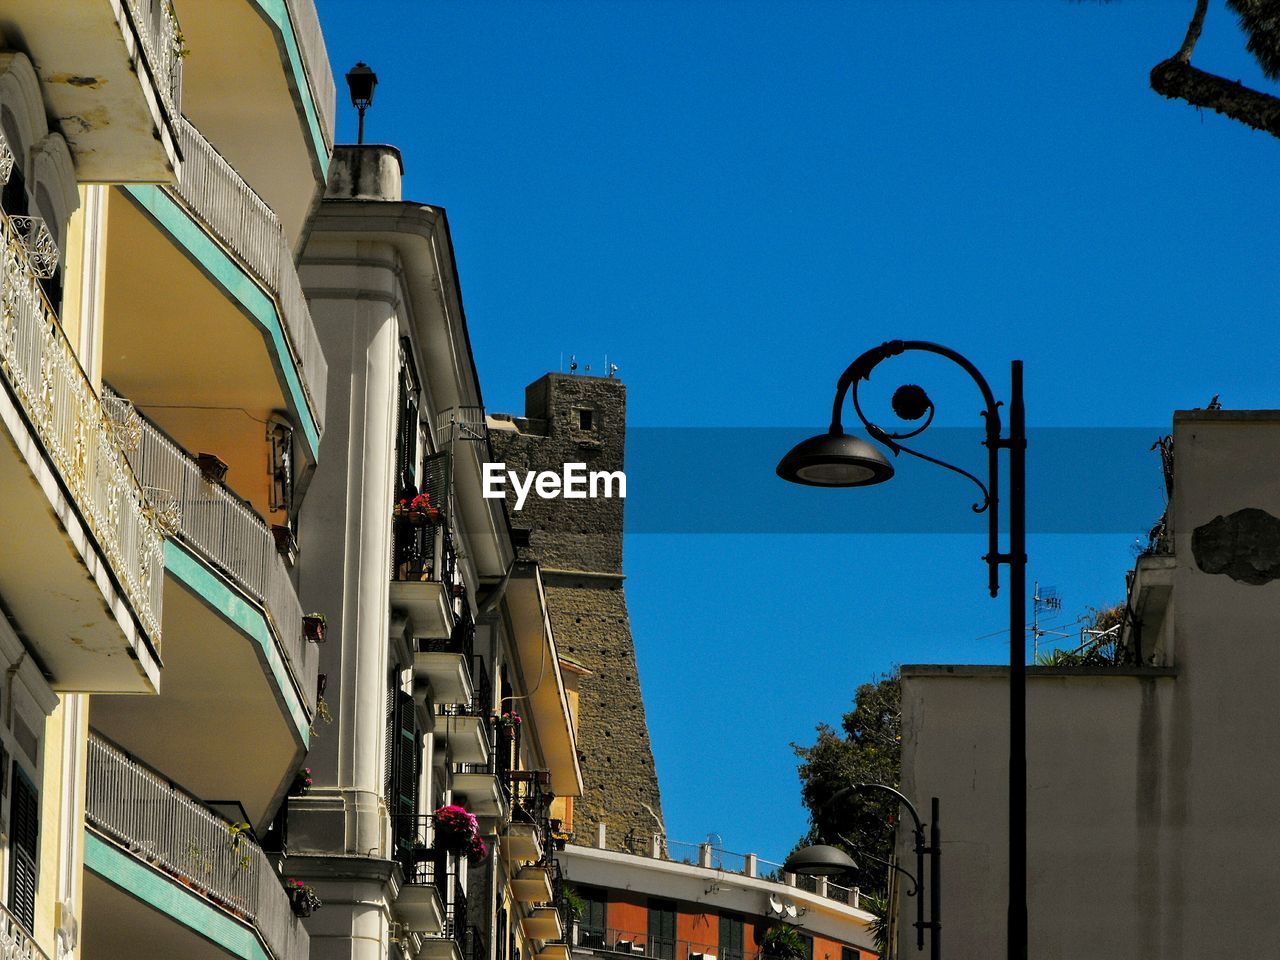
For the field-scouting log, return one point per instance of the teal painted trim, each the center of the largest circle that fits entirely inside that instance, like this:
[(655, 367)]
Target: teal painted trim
[(171, 898), (278, 14), (244, 616), (237, 283)]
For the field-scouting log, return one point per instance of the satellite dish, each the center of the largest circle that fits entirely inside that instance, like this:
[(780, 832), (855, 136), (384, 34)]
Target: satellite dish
[(790, 908), (775, 905)]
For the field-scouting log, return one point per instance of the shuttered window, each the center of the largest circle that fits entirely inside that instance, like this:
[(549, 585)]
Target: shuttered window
[(730, 937), (404, 748), (406, 426), (662, 929), (435, 480), (24, 848), (593, 924)]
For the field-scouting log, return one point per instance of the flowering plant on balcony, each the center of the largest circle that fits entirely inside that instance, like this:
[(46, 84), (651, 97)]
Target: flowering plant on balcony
[(456, 828), (314, 627), (301, 782), (417, 509), (477, 850), (302, 897), (509, 723)]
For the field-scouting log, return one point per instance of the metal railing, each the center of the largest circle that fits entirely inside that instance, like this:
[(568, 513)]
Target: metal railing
[(160, 37), (244, 222), (223, 529), (16, 941), (613, 940), (315, 58), (424, 551), (55, 394), (173, 832)]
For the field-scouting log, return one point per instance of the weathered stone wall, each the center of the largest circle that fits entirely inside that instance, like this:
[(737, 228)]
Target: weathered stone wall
[(579, 545)]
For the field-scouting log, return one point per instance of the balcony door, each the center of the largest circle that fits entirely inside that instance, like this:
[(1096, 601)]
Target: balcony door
[(662, 929)]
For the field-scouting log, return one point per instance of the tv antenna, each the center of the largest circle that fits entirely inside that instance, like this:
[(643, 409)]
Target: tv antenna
[(1049, 600)]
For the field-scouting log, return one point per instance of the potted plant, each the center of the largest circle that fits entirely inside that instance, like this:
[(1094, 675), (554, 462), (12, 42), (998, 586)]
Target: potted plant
[(416, 510), (302, 897), (212, 467), (301, 782), (313, 627), (477, 850), (455, 828), (509, 723)]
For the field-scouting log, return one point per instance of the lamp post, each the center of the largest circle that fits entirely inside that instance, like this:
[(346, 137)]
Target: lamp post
[(360, 81), (823, 860), (834, 459)]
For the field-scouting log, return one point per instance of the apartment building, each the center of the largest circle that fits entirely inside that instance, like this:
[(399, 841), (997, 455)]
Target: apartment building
[(441, 669), (1148, 778), (163, 404), (676, 901)]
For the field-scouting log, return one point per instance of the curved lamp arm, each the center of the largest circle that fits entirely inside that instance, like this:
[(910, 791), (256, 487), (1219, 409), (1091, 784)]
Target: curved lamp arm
[(910, 402)]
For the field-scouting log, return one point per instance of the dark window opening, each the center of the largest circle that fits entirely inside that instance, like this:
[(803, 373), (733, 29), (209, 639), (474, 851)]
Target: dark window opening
[(592, 927), (662, 929), (731, 931), (584, 420)]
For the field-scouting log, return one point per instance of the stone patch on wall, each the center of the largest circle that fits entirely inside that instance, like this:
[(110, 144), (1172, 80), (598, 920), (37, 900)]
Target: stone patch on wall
[(1244, 546)]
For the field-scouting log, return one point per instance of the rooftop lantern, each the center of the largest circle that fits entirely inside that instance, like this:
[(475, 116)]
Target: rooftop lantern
[(361, 80)]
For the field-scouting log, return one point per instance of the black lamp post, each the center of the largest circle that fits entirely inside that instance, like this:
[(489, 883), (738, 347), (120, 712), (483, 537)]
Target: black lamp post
[(361, 81), (836, 460), (822, 860)]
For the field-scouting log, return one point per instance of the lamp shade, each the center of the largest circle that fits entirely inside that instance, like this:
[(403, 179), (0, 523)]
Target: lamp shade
[(360, 81), (819, 860), (835, 460)]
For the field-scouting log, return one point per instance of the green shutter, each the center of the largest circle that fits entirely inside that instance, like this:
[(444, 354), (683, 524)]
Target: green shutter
[(406, 751), (24, 848), (435, 480)]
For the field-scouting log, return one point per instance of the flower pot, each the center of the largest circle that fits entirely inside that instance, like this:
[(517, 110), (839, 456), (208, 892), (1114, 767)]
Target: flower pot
[(213, 468), (313, 629), (301, 905)]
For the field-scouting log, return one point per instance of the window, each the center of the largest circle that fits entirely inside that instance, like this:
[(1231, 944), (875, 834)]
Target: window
[(850, 953), (584, 419), (808, 946), (662, 929), (730, 937), (400, 767), (594, 921), (407, 427), (24, 849)]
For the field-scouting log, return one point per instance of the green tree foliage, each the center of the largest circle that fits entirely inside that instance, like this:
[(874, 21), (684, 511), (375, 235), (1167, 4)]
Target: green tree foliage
[(866, 749), (782, 942)]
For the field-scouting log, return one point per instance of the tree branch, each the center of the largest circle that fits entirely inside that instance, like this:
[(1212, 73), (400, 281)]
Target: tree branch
[(1193, 32), (1178, 80)]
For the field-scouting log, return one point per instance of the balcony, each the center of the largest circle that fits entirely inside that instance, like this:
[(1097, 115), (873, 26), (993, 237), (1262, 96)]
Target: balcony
[(225, 261), (424, 579), (16, 941), (82, 567), (442, 668), (523, 842), (480, 784), (111, 76), (542, 923), (556, 951), (279, 132), (164, 870), (235, 655), (454, 938), (532, 884)]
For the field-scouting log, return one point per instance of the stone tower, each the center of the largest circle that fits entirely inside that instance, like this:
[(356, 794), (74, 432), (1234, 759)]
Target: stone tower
[(582, 419)]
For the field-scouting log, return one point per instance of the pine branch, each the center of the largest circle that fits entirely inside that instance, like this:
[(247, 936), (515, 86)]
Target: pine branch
[(1178, 80), (1193, 32)]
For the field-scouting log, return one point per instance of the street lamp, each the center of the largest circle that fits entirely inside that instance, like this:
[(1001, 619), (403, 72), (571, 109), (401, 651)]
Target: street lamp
[(829, 460), (822, 860), (360, 81)]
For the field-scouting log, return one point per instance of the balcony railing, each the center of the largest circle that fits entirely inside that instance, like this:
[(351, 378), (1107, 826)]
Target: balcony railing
[(425, 865), (160, 824), (242, 220), (156, 25), (423, 551), (315, 58), (16, 942), (60, 403), (628, 943), (222, 528)]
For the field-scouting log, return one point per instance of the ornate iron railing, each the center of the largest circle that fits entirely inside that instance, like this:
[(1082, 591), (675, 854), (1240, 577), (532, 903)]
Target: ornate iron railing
[(16, 941), (160, 37), (172, 831), (59, 401), (222, 528), (315, 58), (243, 221)]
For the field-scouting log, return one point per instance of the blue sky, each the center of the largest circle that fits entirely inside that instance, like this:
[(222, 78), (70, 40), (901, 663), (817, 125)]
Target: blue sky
[(732, 199)]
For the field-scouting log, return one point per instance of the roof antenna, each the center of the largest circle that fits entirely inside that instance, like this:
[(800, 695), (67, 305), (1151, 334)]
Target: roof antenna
[(573, 363)]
